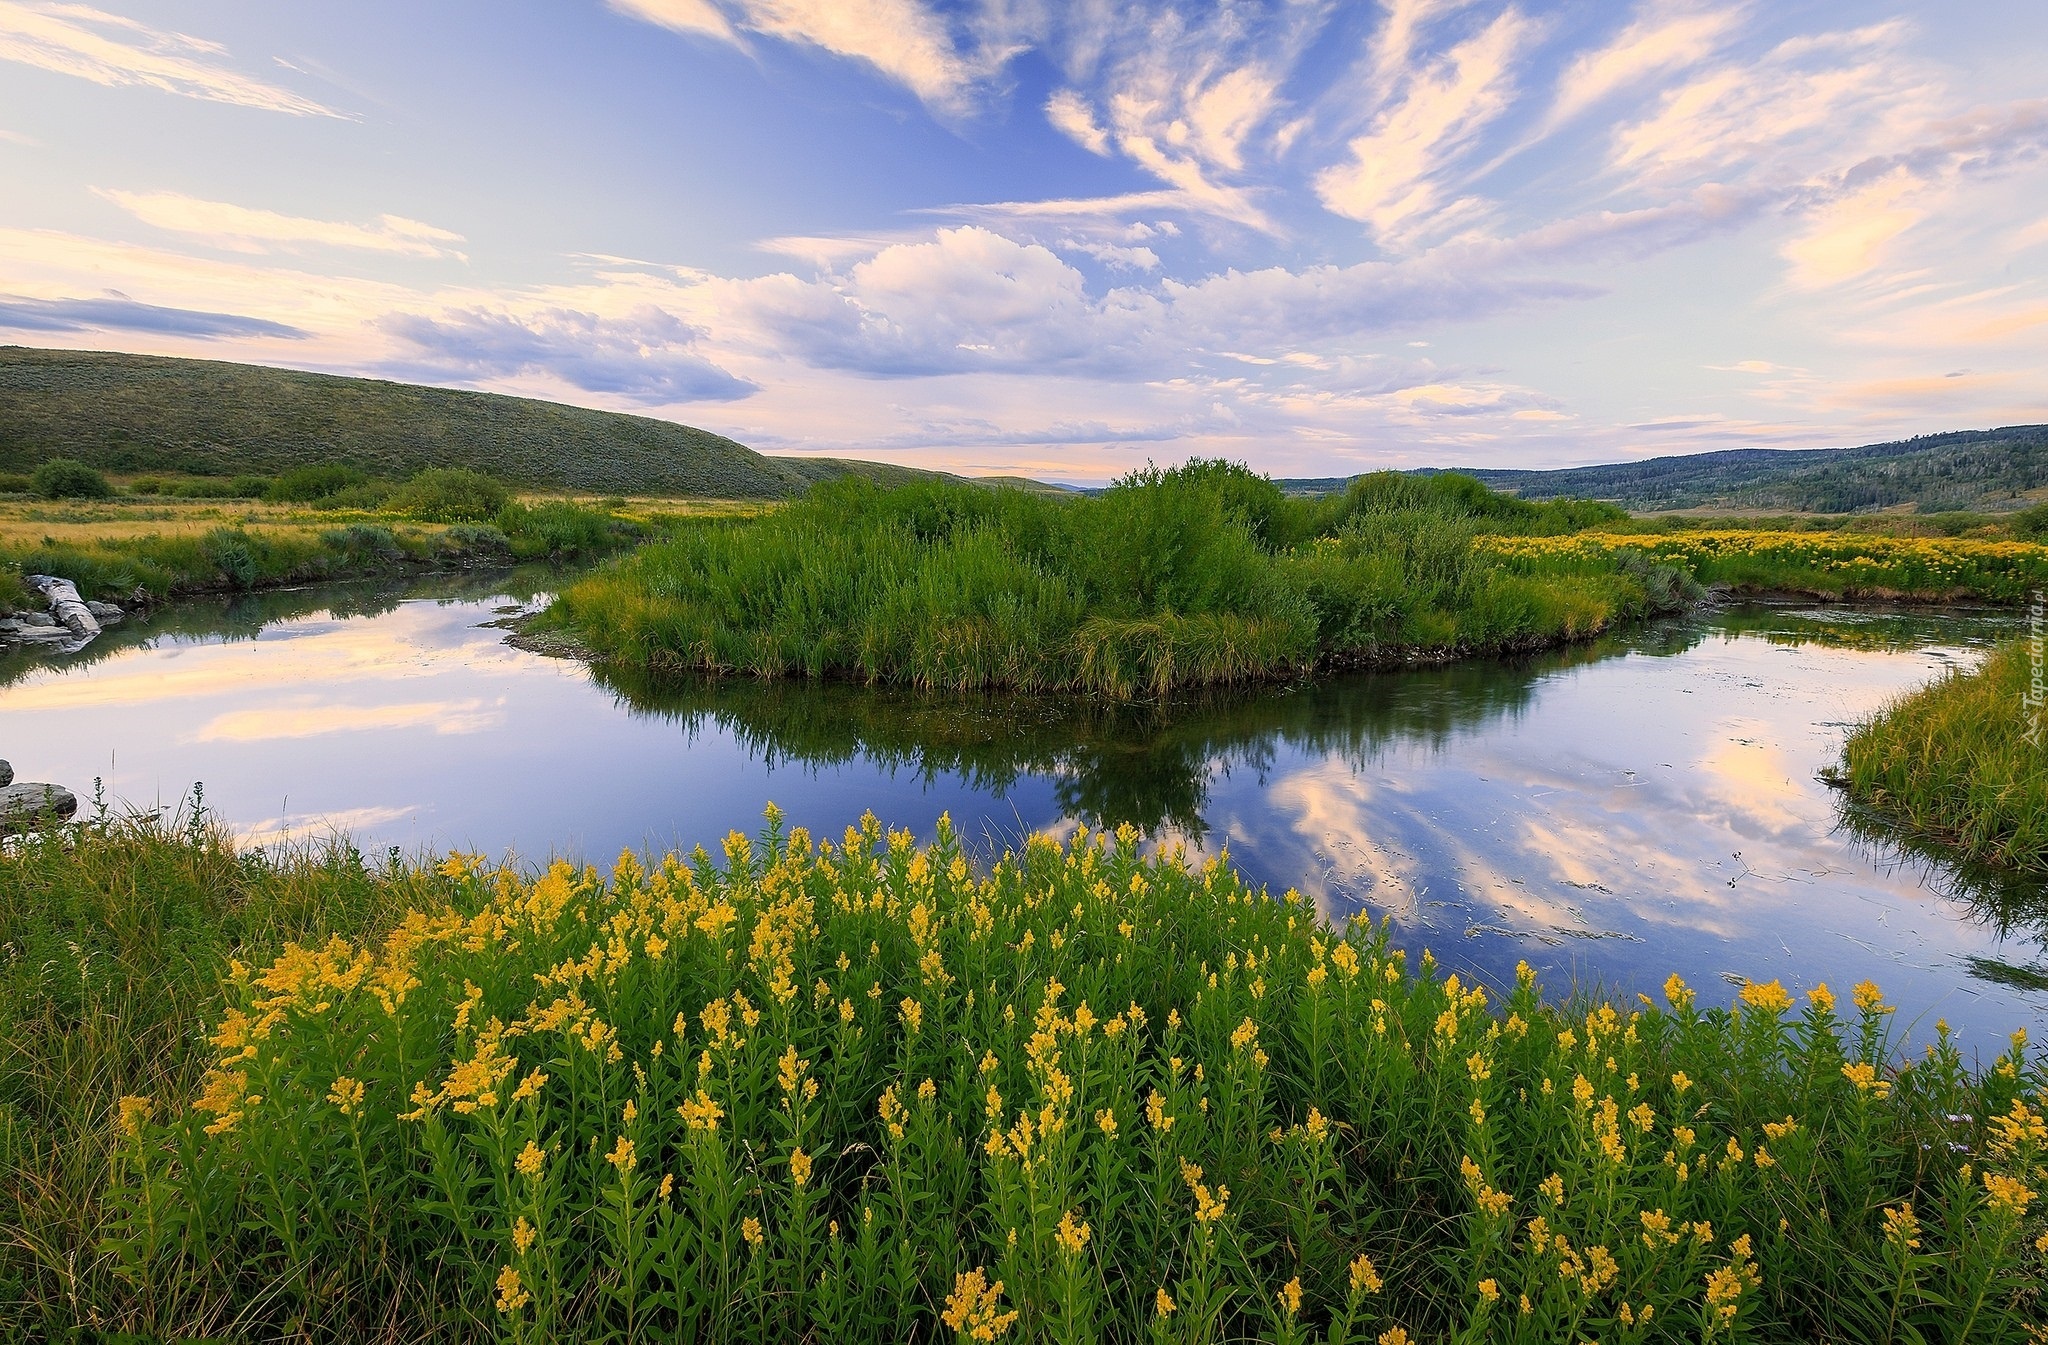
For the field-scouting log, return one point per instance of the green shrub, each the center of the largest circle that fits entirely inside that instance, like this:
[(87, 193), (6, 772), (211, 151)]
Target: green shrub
[(250, 487), (148, 485), (450, 495), (370, 495), (2030, 525), (16, 483), (302, 485), (69, 479)]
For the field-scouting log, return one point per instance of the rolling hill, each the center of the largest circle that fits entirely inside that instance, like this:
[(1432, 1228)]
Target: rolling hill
[(1986, 470), (137, 413)]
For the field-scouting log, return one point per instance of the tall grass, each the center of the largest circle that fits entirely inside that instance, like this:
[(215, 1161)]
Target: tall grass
[(1203, 575), (157, 567), (1964, 761), (859, 1091), (114, 939)]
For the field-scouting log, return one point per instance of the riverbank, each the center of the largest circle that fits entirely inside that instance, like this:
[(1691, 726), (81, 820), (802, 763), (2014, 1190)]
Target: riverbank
[(862, 1082), (1964, 762), (142, 553)]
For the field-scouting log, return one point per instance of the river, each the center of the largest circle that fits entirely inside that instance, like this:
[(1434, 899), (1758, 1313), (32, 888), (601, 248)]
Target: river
[(1611, 813)]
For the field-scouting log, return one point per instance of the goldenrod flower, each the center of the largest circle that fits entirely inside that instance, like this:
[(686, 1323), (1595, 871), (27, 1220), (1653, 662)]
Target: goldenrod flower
[(530, 1161), (1290, 1297), (799, 1168), (1901, 1228), (1163, 1304), (1364, 1278), (136, 1111), (1869, 998), (1821, 998), (1489, 1291), (1676, 992), (2007, 1195), (523, 1234), (974, 1308), (750, 1231), (1394, 1335), (701, 1112), (621, 1156), (1105, 1121), (1072, 1234), (511, 1296), (1768, 996)]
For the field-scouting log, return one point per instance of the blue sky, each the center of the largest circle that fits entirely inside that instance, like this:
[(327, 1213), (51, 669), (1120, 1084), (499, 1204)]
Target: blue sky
[(1065, 239)]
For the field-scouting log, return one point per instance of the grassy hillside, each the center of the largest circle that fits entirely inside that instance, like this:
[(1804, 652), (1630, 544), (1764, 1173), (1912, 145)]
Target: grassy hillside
[(1969, 469), (142, 413)]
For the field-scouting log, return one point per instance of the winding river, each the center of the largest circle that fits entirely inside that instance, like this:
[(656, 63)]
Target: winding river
[(1610, 813)]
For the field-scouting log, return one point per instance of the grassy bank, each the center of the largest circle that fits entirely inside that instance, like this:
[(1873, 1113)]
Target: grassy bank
[(1837, 564), (1964, 761), (150, 551), (859, 1091), (1202, 575)]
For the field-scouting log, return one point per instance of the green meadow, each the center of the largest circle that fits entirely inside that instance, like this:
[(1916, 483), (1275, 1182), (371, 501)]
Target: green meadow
[(854, 1089)]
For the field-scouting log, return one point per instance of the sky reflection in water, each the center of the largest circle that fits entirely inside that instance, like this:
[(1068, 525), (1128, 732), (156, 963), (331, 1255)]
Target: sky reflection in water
[(1611, 813)]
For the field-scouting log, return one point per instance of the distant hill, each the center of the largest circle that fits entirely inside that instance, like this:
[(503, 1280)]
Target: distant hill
[(1967, 469), (134, 413)]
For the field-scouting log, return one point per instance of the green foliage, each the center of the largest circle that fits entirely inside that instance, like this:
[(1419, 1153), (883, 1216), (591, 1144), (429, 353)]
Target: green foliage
[(1201, 575), (68, 479), (1964, 761), (16, 483), (301, 485), (560, 530), (2031, 525), (851, 1089), (450, 495)]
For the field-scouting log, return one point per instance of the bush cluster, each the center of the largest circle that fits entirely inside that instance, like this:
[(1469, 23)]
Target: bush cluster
[(69, 479), (1203, 574)]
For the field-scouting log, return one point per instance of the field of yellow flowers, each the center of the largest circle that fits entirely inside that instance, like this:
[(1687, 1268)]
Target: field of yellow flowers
[(864, 1091), (1847, 565)]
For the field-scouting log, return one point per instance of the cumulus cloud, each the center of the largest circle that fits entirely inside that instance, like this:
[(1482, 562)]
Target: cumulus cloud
[(91, 44), (241, 229), (118, 313), (646, 356), (972, 300)]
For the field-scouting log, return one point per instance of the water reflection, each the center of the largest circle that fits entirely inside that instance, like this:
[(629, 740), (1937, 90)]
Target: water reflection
[(1610, 813)]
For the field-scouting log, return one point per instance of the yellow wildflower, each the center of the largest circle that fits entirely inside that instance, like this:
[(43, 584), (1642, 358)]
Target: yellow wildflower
[(1364, 1278), (1290, 1297), (136, 1111), (1768, 996), (1072, 1234), (750, 1231), (799, 1168), (523, 1234), (1822, 998), (511, 1296), (621, 1156), (1162, 1303), (530, 1161), (974, 1308), (1901, 1228)]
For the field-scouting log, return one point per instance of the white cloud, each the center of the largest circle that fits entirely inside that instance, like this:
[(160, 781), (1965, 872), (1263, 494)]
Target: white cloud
[(902, 39), (1849, 236), (1070, 115), (90, 44), (684, 16), (241, 229), (1664, 39), (1395, 179)]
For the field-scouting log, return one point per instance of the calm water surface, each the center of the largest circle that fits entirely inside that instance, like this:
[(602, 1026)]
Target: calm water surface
[(1611, 813)]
